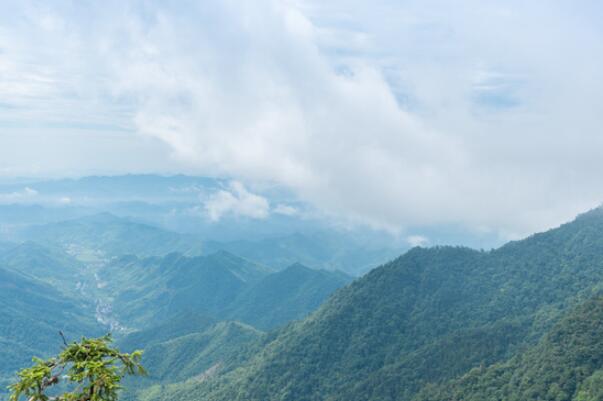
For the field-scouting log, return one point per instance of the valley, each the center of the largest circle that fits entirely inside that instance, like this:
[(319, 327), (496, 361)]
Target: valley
[(301, 200), (435, 323)]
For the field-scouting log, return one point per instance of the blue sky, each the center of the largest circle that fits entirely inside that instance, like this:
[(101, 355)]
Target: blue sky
[(389, 113)]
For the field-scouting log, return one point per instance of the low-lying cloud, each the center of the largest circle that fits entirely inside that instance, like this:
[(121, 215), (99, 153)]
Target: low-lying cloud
[(236, 201)]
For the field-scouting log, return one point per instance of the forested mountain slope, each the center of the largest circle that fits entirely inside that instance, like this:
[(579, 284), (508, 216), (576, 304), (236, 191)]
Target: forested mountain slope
[(47, 264), (31, 315), (173, 327), (284, 296), (567, 365), (146, 291), (177, 301), (184, 357), (427, 317)]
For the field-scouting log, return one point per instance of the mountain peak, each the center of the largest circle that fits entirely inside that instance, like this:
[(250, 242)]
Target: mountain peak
[(297, 266)]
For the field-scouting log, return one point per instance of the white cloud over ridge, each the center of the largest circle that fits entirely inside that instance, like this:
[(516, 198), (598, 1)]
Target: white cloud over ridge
[(476, 113), (417, 240), (237, 201)]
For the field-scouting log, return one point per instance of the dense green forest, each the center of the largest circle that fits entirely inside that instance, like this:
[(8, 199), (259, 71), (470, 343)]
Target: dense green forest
[(197, 310), (439, 323), (426, 318), (31, 314), (566, 365)]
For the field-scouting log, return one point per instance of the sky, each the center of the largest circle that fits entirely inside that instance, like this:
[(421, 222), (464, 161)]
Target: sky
[(485, 114)]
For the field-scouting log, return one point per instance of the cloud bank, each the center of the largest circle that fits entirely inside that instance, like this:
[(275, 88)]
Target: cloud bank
[(237, 201), (484, 114)]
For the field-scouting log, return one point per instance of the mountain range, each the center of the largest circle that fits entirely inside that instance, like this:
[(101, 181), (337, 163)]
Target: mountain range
[(81, 291), (417, 328), (291, 316)]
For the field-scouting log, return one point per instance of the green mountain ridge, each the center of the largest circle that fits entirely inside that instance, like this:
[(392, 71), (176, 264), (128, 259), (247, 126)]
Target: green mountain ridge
[(389, 334), (45, 289), (320, 250), (104, 235), (44, 263), (221, 284), (145, 291), (31, 314), (566, 365), (183, 357), (283, 296), (177, 326)]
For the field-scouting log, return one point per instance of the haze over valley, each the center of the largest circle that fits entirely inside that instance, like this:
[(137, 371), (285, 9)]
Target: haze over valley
[(294, 200)]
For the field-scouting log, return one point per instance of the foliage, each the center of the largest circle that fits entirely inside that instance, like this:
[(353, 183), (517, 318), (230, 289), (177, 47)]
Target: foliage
[(92, 367), (285, 296), (427, 317), (147, 290), (166, 297), (565, 366), (31, 313)]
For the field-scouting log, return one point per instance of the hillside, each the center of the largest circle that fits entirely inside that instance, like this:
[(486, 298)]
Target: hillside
[(283, 296), (31, 315), (186, 356), (392, 332), (169, 305), (566, 365), (187, 347), (325, 250), (145, 291), (177, 326), (112, 236), (47, 264)]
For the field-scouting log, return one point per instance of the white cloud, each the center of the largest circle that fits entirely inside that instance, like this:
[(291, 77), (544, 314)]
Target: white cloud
[(237, 201), (417, 240), (392, 114)]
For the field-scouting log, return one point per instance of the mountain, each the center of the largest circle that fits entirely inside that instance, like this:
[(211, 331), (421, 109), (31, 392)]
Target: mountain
[(44, 263), (104, 235), (176, 302), (108, 235), (566, 365), (292, 231), (177, 326), (283, 296), (143, 292), (194, 357), (31, 315), (325, 250), (427, 317), (193, 354)]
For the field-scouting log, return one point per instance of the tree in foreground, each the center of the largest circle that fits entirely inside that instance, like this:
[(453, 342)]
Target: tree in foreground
[(89, 370)]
